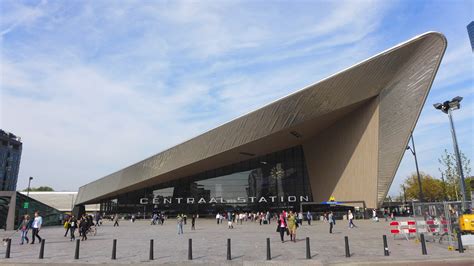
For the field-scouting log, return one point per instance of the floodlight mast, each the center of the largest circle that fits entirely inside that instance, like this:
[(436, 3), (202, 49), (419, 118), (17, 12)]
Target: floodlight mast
[(447, 108)]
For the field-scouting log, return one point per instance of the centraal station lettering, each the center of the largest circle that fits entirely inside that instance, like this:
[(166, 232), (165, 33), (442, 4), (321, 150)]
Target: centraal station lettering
[(220, 200)]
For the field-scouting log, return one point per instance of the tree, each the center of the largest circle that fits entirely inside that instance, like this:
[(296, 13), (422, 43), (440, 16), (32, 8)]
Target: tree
[(432, 187), (450, 172), (42, 188)]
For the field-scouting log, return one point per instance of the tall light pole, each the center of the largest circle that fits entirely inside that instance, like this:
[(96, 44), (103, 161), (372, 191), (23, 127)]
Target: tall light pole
[(413, 151), (28, 194), (447, 107), (28, 189)]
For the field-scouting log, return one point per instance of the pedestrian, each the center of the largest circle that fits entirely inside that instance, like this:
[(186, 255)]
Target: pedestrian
[(24, 227), (116, 223), (133, 218), (292, 225), (309, 217), (37, 222), (300, 218), (193, 222), (162, 218), (185, 218), (282, 227), (72, 227), (179, 221), (83, 227), (218, 217), (97, 219), (331, 221), (229, 220), (350, 216), (67, 226)]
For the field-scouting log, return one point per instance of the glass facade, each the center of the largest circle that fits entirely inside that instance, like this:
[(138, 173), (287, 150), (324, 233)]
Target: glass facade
[(10, 154), (51, 216), (270, 182)]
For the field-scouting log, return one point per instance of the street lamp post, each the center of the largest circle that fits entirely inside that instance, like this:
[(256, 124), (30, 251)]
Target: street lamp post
[(28, 189), (404, 195), (447, 108), (28, 194), (413, 151)]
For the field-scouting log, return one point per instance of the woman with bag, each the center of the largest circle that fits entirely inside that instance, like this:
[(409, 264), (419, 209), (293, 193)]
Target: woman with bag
[(24, 227), (292, 225), (67, 226), (282, 227)]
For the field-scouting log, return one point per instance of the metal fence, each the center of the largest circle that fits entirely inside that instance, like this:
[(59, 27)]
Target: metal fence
[(448, 211)]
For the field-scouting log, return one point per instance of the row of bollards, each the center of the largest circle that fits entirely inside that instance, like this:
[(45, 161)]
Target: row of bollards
[(229, 255)]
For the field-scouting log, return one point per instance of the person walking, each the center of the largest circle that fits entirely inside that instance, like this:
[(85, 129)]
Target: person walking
[(218, 217), (179, 221), (229, 220), (72, 227), (84, 226), (116, 223), (309, 217), (67, 226), (162, 218), (300, 218), (37, 222), (331, 221), (193, 222), (350, 216), (281, 227), (24, 227), (292, 225)]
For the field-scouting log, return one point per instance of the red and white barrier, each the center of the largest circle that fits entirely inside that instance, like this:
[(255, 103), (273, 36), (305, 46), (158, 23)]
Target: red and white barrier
[(403, 228), (406, 229)]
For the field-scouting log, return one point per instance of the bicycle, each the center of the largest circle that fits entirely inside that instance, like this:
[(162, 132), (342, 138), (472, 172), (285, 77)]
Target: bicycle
[(92, 230)]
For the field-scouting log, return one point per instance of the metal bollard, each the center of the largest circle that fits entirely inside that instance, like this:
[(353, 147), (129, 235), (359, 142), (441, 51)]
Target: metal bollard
[(269, 255), (76, 254), (229, 256), (308, 250), (346, 240), (423, 244), (151, 250), (385, 246), (460, 245), (7, 252), (41, 255), (190, 249), (114, 249)]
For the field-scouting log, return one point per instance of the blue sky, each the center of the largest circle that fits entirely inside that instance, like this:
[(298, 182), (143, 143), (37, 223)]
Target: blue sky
[(94, 86)]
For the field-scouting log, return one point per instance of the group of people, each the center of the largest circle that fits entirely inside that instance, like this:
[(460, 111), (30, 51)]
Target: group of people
[(83, 225), (287, 222), (34, 224), (181, 220), (157, 218), (261, 217)]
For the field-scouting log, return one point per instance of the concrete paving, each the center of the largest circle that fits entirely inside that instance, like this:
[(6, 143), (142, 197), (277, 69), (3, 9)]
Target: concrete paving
[(248, 246)]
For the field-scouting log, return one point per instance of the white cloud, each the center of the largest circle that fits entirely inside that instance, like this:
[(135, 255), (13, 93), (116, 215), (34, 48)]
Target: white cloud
[(99, 85)]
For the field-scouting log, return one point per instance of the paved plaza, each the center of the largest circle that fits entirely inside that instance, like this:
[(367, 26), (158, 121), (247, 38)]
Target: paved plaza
[(248, 246)]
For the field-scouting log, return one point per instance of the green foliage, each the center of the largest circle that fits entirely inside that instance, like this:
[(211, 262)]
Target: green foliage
[(432, 188), (451, 176), (42, 188)]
